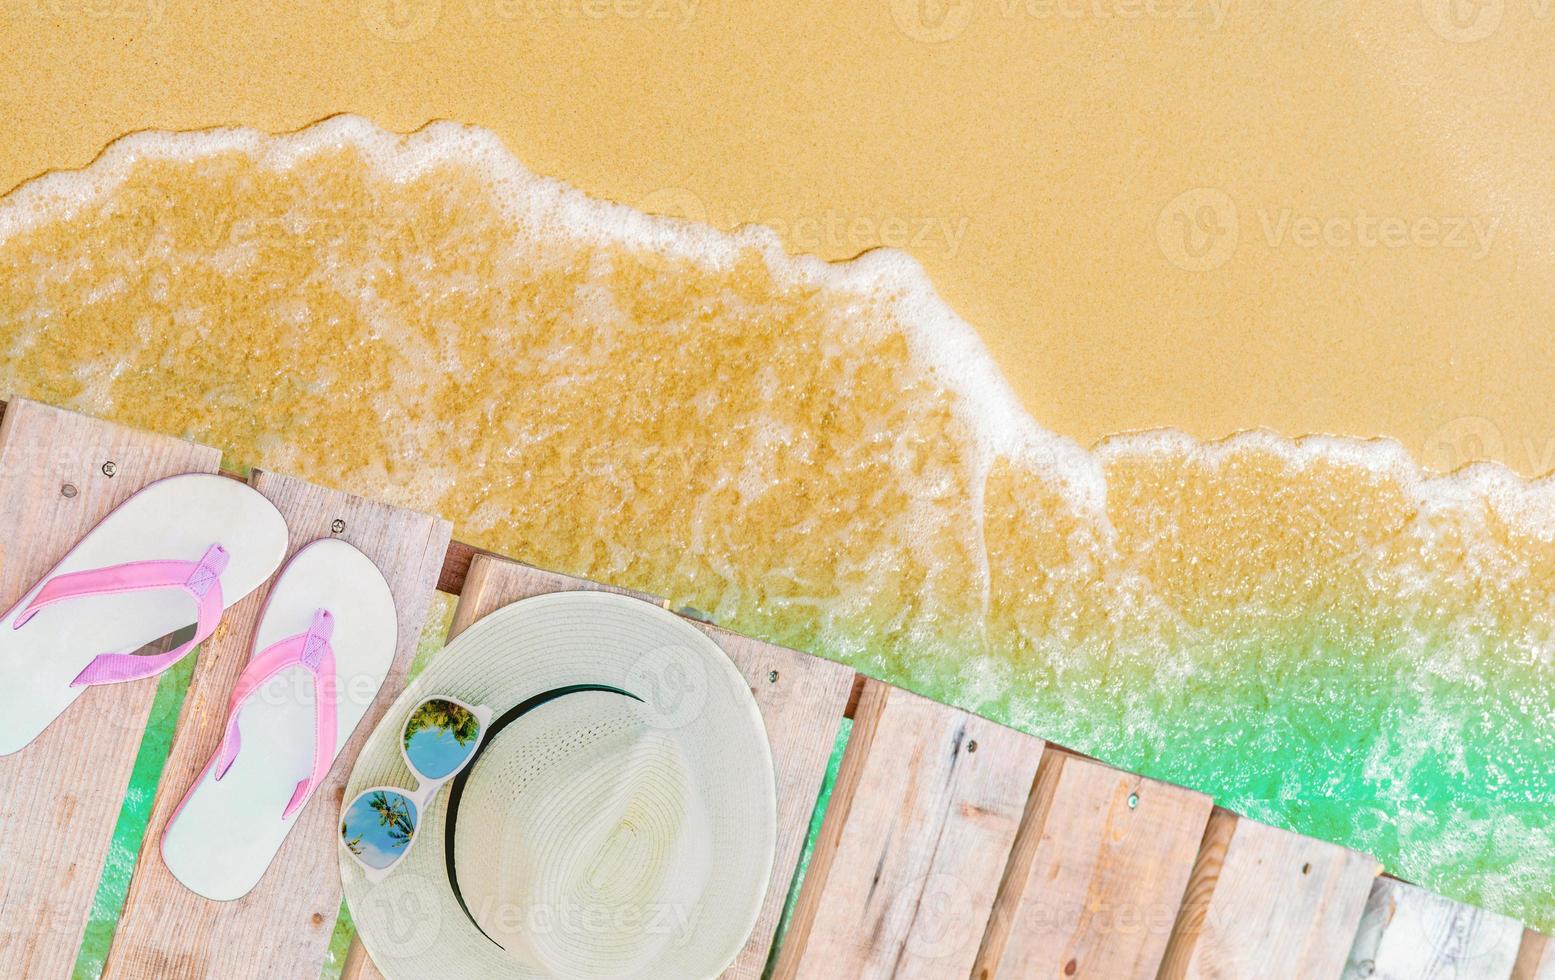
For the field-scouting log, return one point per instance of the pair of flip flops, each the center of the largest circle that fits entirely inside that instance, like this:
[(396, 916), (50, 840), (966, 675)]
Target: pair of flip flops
[(323, 644)]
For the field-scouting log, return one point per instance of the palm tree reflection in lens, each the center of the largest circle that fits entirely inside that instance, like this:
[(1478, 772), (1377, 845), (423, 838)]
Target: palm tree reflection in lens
[(439, 737), (378, 825)]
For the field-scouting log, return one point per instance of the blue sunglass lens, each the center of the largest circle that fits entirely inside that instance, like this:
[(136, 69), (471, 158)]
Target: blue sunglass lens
[(378, 826), (440, 736)]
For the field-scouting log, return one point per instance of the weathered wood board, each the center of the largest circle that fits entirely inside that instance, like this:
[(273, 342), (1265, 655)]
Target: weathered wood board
[(914, 842), (801, 700), (1096, 876), (1408, 933), (60, 796), (281, 928), (1266, 903), (1535, 958)]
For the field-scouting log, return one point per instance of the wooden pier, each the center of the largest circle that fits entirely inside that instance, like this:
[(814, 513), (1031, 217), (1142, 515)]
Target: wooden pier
[(951, 846)]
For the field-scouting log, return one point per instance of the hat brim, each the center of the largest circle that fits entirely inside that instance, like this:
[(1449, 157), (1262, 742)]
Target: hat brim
[(410, 922)]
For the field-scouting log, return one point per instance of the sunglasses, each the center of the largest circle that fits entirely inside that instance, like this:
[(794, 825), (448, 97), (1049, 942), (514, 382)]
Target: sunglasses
[(440, 737)]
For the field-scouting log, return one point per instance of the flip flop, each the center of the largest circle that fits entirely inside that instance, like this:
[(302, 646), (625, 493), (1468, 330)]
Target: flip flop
[(324, 643), (181, 550)]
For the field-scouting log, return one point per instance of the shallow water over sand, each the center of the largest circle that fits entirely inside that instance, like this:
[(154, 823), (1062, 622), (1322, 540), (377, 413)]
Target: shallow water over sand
[(1318, 633)]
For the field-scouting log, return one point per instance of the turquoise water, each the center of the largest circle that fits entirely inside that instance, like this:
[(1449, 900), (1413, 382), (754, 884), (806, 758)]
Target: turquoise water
[(130, 830)]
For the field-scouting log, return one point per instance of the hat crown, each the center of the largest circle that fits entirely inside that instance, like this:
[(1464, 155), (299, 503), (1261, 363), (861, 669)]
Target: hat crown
[(582, 844)]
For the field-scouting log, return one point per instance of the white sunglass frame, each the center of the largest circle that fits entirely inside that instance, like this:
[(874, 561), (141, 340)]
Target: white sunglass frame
[(426, 787)]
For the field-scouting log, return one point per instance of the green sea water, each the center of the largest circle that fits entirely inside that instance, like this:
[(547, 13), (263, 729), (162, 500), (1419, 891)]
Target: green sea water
[(130, 829)]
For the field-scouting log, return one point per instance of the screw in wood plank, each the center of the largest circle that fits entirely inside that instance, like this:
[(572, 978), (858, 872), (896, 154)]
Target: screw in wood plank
[(68, 490), (110, 468), (1133, 800), (772, 677), (972, 745), (337, 525)]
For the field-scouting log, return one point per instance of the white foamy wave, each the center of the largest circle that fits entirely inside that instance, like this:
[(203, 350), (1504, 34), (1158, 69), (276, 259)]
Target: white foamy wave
[(1110, 599)]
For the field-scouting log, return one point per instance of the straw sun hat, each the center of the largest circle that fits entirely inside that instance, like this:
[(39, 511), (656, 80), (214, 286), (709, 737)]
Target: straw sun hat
[(626, 832)]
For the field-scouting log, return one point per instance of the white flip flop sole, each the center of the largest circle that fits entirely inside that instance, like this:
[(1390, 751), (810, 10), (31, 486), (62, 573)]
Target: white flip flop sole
[(175, 518), (226, 832)]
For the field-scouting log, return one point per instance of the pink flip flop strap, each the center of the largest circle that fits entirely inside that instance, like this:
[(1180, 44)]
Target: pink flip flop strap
[(201, 579), (312, 651)]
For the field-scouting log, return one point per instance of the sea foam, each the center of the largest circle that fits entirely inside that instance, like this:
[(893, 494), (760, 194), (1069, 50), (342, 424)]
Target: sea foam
[(1317, 631)]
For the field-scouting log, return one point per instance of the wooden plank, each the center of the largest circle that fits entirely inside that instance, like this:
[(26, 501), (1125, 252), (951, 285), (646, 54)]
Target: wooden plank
[(1267, 903), (60, 796), (1096, 875), (914, 842), (853, 698), (868, 704), (495, 582), (1407, 933), (282, 927), (801, 700), (456, 565), (1536, 958), (1196, 897)]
